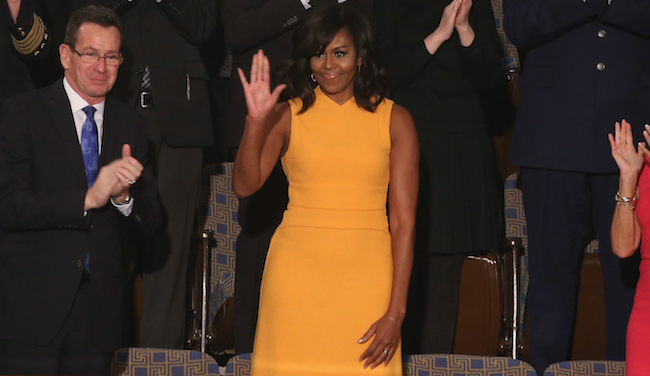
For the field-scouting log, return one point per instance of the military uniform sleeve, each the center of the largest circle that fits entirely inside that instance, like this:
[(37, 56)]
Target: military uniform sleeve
[(29, 35)]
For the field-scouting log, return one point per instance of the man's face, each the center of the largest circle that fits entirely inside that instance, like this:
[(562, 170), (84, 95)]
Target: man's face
[(91, 80)]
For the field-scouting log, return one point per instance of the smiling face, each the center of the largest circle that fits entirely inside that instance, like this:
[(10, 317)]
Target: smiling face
[(91, 80), (335, 69)]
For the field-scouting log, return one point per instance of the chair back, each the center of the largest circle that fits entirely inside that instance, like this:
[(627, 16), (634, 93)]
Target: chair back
[(464, 365), (586, 368), (153, 362)]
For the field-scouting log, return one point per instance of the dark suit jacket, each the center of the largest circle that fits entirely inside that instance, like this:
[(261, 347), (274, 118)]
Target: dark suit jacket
[(164, 36), (45, 233), (567, 105)]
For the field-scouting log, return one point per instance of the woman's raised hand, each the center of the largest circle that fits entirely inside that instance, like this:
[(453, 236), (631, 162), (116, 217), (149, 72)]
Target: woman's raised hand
[(628, 158), (259, 98)]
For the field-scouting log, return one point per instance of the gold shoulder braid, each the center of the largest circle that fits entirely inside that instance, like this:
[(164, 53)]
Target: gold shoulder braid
[(34, 41)]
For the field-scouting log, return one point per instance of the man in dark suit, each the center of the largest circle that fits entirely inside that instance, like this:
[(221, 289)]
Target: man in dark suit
[(584, 67), (73, 178), (251, 25), (165, 80)]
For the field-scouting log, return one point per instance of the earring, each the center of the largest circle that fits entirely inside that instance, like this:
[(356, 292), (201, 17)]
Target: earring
[(312, 77), (358, 68)]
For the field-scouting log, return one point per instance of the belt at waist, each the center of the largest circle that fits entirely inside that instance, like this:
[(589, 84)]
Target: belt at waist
[(299, 216)]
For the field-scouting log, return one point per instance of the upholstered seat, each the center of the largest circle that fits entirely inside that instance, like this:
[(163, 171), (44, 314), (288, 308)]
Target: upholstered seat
[(586, 368), (153, 362)]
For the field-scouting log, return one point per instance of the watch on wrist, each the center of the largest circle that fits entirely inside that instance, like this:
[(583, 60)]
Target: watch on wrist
[(127, 199)]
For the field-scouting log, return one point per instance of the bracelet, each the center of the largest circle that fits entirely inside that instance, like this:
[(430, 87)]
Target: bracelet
[(630, 202)]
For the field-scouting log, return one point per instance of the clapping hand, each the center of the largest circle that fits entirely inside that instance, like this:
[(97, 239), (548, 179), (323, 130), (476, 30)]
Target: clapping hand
[(462, 17), (128, 171), (454, 16), (259, 98), (114, 180), (448, 20)]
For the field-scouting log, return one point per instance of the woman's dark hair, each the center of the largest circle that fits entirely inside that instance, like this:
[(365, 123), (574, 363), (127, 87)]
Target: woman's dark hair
[(314, 34), (96, 14)]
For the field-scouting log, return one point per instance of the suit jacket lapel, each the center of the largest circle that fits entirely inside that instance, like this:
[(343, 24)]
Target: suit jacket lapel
[(63, 122)]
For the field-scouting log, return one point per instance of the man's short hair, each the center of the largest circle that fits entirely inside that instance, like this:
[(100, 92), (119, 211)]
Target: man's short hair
[(96, 14)]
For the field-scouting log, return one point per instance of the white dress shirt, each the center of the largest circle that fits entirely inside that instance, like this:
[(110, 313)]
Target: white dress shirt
[(77, 104)]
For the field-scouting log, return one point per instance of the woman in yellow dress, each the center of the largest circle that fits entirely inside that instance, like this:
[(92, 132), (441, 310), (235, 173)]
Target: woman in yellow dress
[(335, 282)]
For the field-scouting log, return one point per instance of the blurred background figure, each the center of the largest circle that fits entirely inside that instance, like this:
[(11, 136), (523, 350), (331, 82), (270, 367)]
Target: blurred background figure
[(444, 57), (584, 67), (165, 80)]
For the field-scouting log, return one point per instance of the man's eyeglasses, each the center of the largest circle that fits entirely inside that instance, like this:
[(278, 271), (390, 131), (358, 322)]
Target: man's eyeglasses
[(92, 58)]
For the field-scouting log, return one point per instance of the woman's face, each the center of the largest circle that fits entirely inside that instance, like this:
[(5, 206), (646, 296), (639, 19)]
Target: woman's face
[(336, 68)]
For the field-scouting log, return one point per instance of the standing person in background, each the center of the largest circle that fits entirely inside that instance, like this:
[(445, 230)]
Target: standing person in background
[(584, 67), (440, 74), (74, 179), (251, 25), (163, 77)]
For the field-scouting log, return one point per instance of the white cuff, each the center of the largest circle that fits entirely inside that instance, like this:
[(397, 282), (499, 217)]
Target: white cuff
[(125, 209), (305, 4)]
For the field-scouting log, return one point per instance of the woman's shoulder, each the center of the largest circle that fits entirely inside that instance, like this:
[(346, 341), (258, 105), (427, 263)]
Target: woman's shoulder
[(401, 122), (400, 113)]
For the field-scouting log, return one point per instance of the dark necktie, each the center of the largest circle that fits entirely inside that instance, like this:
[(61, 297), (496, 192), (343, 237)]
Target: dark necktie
[(90, 151), (90, 145)]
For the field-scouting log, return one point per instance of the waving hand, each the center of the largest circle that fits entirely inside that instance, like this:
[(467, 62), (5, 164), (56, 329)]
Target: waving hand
[(259, 98)]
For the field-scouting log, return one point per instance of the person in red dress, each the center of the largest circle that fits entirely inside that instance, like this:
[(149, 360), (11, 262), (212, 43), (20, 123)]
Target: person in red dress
[(631, 227)]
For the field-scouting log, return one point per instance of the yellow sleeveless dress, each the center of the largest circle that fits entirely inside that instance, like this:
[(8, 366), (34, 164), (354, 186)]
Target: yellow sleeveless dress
[(328, 272)]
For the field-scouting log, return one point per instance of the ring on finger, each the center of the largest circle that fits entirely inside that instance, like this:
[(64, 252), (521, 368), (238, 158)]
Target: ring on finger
[(131, 182), (386, 352)]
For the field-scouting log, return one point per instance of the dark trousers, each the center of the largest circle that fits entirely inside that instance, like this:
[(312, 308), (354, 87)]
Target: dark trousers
[(72, 352), (166, 256), (258, 216), (430, 323), (561, 209)]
